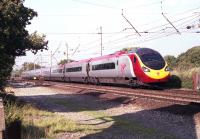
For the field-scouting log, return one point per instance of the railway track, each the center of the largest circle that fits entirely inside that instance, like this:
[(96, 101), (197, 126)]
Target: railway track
[(176, 96)]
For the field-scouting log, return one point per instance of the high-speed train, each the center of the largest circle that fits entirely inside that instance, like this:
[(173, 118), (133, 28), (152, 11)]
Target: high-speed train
[(142, 65)]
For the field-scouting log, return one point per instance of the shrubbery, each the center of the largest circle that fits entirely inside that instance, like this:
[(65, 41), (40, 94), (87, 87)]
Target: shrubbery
[(184, 66)]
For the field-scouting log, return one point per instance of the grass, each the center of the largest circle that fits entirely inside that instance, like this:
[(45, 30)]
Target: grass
[(120, 125), (36, 123), (181, 78)]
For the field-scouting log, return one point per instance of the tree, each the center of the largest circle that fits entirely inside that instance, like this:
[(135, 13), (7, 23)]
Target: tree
[(127, 49), (64, 61), (30, 66), (171, 61), (189, 59), (15, 40)]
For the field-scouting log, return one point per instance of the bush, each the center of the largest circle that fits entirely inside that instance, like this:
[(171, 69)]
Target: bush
[(174, 82)]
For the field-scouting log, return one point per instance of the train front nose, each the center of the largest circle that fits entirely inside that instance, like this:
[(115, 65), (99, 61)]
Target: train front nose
[(151, 76)]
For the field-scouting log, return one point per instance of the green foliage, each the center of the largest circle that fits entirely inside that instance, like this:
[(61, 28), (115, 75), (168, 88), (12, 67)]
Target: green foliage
[(189, 59), (14, 38), (64, 61), (184, 66), (30, 66), (25, 66), (37, 123), (171, 61), (127, 49)]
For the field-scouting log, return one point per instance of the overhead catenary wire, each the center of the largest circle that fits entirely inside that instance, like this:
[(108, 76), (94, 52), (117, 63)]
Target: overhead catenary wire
[(155, 32)]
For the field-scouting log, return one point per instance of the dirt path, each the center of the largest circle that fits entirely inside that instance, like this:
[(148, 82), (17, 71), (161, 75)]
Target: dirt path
[(110, 119)]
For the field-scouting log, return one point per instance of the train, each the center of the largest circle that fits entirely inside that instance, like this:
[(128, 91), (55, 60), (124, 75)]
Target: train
[(138, 66)]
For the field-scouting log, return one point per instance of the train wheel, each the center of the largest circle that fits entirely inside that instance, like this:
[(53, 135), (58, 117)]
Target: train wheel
[(97, 81), (86, 80)]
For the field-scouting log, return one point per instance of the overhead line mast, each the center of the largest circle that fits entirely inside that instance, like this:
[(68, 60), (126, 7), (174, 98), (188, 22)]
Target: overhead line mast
[(101, 40), (169, 20), (131, 24), (171, 24)]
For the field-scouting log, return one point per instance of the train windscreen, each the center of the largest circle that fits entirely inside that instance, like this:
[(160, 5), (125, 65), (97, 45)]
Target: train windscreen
[(151, 58)]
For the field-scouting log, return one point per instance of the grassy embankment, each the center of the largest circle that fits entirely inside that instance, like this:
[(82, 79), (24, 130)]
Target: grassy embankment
[(120, 125), (36, 123), (182, 79)]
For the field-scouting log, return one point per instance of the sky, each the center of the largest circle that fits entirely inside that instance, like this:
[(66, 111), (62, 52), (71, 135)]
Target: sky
[(76, 24)]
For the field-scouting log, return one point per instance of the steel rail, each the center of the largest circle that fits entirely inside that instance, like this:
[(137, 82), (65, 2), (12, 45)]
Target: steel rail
[(135, 93)]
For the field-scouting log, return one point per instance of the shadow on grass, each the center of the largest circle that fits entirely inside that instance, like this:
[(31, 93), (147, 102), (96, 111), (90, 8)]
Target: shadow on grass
[(32, 132), (174, 121), (156, 124), (14, 127)]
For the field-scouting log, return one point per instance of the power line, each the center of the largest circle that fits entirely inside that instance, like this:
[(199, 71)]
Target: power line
[(96, 4)]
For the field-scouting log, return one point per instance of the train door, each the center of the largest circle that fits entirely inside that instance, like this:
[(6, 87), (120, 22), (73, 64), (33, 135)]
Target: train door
[(87, 72)]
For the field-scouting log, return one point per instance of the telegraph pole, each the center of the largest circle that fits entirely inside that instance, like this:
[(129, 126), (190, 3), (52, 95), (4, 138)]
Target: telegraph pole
[(67, 47), (51, 63), (41, 65)]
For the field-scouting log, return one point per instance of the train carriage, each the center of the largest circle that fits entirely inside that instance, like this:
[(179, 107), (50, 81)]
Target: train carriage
[(56, 73), (76, 71)]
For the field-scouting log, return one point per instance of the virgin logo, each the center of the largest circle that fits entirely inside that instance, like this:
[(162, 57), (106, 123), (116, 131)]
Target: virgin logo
[(122, 68)]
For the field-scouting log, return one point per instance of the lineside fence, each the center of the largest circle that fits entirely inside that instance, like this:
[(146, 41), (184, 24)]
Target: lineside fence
[(196, 81), (2, 120)]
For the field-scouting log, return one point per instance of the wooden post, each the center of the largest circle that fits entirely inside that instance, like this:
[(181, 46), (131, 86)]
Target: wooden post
[(2, 120), (196, 81)]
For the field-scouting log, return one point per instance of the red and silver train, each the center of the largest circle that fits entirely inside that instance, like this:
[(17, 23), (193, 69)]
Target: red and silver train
[(143, 65)]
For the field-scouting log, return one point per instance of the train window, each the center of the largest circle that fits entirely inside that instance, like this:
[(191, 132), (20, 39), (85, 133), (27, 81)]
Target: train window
[(104, 66), (54, 71), (57, 71), (74, 69), (117, 62), (151, 58)]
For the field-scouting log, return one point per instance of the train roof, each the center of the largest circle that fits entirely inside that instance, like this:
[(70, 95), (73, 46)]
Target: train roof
[(117, 54)]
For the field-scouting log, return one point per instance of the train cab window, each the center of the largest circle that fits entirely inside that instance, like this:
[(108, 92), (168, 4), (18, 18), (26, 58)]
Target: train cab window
[(151, 58), (104, 66)]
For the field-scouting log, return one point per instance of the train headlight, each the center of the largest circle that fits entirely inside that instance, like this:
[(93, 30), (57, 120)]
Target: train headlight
[(145, 69), (167, 69)]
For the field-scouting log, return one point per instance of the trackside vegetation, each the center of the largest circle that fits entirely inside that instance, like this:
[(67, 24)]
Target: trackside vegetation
[(184, 67), (36, 123), (15, 40)]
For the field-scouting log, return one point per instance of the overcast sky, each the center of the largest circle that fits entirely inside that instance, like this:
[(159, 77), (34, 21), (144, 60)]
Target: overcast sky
[(76, 23)]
